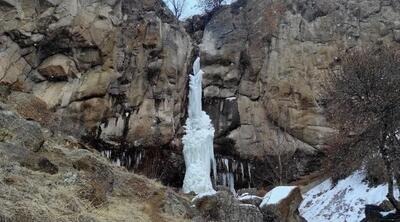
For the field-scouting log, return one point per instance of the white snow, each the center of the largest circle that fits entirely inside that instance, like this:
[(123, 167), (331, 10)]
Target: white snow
[(198, 148), (249, 197), (204, 194), (231, 98), (344, 202), (276, 195), (387, 213)]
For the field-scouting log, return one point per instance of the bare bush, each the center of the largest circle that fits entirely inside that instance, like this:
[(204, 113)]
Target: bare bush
[(362, 101), (210, 5)]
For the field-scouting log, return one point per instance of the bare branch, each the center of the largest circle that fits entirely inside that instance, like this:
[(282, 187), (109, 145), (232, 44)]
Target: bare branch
[(178, 7)]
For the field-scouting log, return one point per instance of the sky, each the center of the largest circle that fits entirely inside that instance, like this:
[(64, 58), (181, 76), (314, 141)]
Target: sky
[(192, 9)]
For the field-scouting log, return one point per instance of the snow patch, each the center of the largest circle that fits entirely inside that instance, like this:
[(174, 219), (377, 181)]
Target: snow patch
[(344, 202), (249, 197), (276, 195), (205, 194)]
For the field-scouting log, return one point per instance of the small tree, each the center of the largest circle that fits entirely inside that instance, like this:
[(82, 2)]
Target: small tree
[(177, 7), (363, 101), (210, 5)]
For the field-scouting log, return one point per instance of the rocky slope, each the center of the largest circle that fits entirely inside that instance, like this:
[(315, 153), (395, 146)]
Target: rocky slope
[(51, 177)]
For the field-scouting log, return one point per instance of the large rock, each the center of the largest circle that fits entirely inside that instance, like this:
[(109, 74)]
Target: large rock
[(20, 131), (281, 205), (223, 206), (58, 67)]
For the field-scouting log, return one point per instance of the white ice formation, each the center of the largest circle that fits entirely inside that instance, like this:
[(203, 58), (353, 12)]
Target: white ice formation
[(198, 141)]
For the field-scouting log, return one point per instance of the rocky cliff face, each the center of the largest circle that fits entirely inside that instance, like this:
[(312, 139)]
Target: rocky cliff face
[(98, 65), (265, 62), (115, 72)]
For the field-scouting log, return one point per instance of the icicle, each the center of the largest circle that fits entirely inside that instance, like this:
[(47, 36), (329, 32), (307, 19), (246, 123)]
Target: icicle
[(242, 170), (249, 169), (231, 183), (226, 162), (224, 179)]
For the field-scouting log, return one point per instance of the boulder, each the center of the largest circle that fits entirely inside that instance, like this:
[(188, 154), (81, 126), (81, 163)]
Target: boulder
[(223, 206), (281, 205), (377, 214), (251, 199), (21, 132), (58, 67)]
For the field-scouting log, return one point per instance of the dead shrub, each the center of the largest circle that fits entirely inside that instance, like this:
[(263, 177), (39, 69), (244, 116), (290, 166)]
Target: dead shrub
[(375, 171), (95, 192)]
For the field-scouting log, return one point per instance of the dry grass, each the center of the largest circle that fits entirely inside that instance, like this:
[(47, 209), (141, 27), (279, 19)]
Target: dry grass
[(27, 195)]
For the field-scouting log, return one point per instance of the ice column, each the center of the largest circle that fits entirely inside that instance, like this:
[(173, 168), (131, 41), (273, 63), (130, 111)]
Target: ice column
[(198, 147)]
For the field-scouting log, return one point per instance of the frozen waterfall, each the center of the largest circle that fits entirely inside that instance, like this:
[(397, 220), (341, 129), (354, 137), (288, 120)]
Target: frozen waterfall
[(198, 141)]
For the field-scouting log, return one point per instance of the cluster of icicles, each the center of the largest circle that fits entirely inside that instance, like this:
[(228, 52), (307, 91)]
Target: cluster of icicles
[(129, 159), (234, 173)]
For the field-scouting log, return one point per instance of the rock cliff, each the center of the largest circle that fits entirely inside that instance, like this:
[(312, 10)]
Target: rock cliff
[(265, 63), (98, 64)]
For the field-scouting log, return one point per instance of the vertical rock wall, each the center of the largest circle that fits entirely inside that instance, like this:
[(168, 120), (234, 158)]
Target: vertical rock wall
[(265, 62), (109, 69)]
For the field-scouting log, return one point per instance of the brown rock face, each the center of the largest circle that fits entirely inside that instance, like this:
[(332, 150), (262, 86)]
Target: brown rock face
[(265, 62), (93, 62)]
